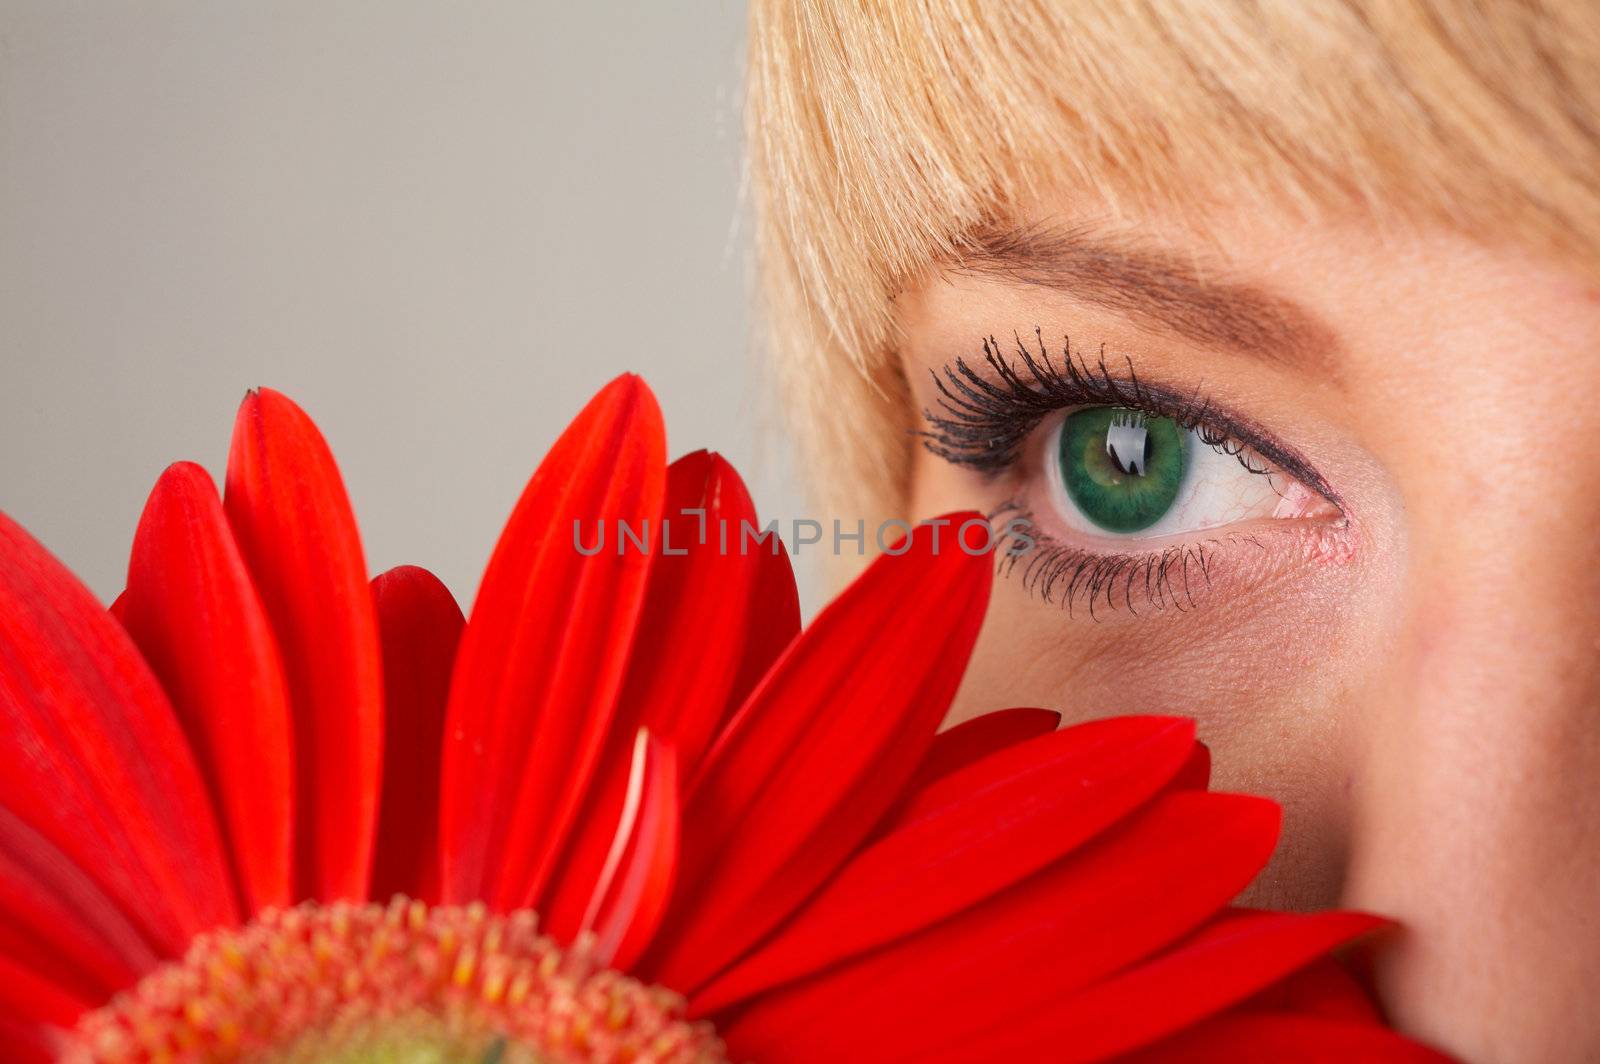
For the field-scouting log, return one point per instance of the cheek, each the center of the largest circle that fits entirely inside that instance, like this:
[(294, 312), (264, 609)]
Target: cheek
[(1268, 678)]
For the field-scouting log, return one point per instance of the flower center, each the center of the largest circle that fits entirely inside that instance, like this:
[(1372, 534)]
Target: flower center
[(396, 984)]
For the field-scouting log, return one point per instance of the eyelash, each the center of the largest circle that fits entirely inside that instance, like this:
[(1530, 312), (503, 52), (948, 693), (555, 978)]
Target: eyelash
[(1056, 571), (985, 422)]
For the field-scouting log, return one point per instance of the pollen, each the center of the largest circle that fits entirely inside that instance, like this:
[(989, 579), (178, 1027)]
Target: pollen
[(398, 984)]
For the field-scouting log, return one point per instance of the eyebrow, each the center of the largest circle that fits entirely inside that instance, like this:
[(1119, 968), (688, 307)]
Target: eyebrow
[(1155, 289)]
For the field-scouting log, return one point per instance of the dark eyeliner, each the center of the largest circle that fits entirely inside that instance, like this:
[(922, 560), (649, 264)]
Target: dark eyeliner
[(985, 416)]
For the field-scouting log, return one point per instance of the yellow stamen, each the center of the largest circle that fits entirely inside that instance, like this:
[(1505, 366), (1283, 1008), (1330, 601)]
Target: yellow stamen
[(402, 984)]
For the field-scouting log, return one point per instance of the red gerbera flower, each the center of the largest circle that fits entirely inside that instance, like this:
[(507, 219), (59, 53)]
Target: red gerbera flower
[(198, 802)]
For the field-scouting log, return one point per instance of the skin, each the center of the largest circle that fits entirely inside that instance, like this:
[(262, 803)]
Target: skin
[(1414, 674)]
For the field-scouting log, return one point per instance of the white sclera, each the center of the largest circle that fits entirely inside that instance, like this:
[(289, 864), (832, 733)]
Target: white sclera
[(1217, 491)]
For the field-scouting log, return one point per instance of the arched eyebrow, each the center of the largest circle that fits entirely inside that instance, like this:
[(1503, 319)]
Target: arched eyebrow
[(1156, 289)]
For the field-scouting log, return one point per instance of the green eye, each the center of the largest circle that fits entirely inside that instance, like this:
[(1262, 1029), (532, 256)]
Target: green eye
[(1122, 468)]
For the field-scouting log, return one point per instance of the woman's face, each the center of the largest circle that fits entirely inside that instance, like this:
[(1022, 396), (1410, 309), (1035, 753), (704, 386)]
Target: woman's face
[(1348, 518)]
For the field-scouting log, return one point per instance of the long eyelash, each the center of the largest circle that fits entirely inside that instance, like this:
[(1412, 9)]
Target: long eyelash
[(1169, 578), (984, 418)]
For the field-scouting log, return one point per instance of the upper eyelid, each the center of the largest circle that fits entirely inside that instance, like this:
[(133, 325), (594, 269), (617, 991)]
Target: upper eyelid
[(1015, 404), (987, 417)]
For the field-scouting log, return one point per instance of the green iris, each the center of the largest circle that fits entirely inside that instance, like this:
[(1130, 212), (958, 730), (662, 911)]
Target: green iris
[(1121, 468)]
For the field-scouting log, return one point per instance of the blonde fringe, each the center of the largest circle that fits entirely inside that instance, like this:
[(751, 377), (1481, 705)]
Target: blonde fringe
[(882, 131)]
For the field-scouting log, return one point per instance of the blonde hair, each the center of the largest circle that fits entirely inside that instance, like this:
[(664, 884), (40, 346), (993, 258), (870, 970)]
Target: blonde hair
[(882, 132)]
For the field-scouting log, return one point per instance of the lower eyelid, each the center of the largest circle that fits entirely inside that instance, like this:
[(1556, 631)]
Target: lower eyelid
[(1074, 579), (1176, 577)]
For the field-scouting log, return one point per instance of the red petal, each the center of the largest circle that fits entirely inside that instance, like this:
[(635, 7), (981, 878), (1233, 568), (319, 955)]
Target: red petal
[(26, 996), (28, 1043), (55, 921), (93, 758), (975, 739), (541, 662), (696, 615), (774, 620), (634, 886), (1026, 951), (990, 825), (288, 508), (192, 610), (1323, 988), (1196, 772), (1267, 1038), (1224, 963), (420, 626), (822, 748)]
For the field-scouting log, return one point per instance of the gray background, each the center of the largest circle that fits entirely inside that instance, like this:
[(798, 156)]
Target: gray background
[(438, 226)]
